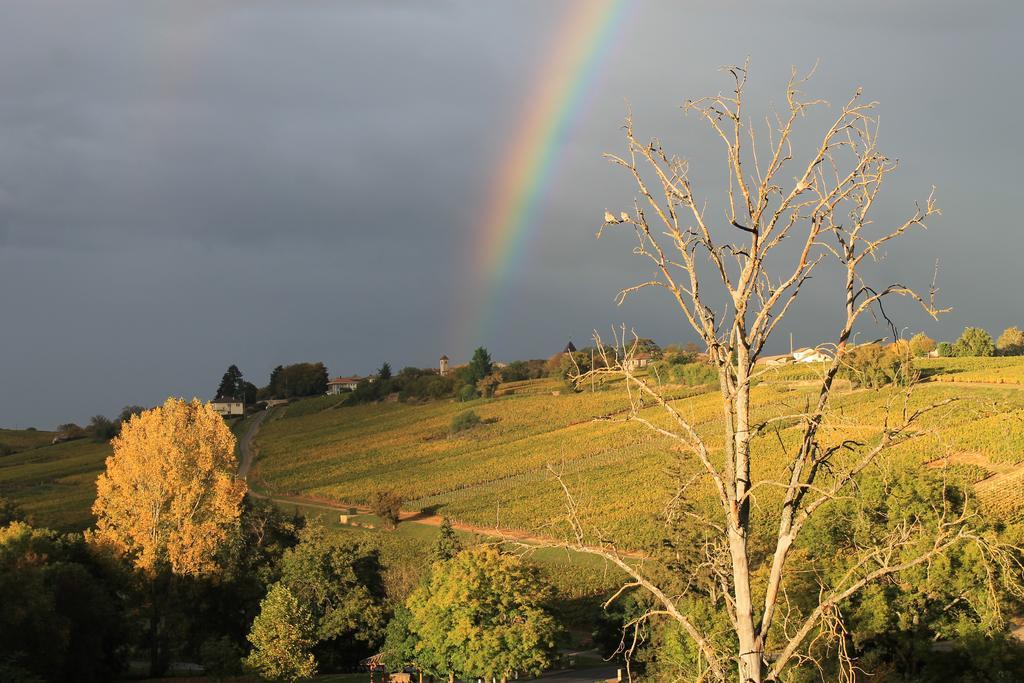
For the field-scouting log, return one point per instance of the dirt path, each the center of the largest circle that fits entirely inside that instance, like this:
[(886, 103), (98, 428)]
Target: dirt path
[(245, 447)]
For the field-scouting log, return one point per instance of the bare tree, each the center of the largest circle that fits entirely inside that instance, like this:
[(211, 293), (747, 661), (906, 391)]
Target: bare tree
[(822, 214)]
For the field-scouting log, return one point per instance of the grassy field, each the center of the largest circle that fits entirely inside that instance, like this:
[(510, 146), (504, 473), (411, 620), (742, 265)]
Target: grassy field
[(17, 440), (500, 473)]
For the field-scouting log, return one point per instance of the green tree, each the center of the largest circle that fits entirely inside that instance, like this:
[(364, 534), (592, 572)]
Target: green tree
[(61, 617), (1011, 342), (282, 638), (483, 614), (974, 342), (103, 428), (944, 349), (298, 379), (128, 412), (248, 393), (489, 384), (388, 506), (446, 545), (958, 599), (384, 374), (647, 346), (339, 583), (399, 647), (479, 366), (276, 385), (230, 384), (871, 365)]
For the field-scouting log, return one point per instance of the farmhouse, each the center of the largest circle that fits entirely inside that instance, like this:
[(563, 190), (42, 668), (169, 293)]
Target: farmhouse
[(640, 360), (228, 406), (340, 385), (806, 355), (783, 359)]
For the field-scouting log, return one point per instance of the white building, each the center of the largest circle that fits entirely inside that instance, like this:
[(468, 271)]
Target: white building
[(806, 355), (339, 385), (228, 406)]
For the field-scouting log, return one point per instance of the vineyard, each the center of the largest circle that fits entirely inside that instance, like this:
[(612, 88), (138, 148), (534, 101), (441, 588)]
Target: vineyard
[(17, 440), (500, 472), (55, 484), (1000, 370)]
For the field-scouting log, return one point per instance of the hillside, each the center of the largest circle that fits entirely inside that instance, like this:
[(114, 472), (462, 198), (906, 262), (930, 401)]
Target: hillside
[(17, 440), (55, 484), (498, 472)]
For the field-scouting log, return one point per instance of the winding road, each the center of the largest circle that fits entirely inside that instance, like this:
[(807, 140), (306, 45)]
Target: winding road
[(245, 445)]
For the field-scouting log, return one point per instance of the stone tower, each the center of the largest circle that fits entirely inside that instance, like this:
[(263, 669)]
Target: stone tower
[(443, 367)]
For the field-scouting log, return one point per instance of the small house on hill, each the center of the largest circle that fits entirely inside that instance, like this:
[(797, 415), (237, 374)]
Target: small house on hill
[(640, 360), (340, 385), (443, 366), (227, 407), (804, 355), (807, 355), (782, 359)]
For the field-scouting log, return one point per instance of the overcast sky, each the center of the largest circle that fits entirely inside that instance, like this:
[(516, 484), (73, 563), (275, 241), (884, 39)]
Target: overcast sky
[(185, 185)]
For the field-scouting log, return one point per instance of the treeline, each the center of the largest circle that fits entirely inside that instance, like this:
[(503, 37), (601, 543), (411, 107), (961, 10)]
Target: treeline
[(100, 427), (286, 381), (479, 378)]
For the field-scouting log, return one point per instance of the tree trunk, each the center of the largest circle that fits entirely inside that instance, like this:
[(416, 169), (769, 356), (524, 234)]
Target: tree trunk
[(749, 659), (155, 636)]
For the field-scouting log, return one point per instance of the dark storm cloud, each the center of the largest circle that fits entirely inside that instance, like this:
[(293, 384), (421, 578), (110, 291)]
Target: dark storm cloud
[(185, 185)]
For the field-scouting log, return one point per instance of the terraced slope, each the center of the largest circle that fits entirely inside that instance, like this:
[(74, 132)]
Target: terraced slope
[(55, 485), (500, 473)]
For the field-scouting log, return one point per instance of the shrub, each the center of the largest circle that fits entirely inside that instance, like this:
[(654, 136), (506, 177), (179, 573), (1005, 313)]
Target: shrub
[(872, 366), (691, 373), (464, 421), (520, 370), (974, 342), (69, 431), (1011, 342), (921, 344), (387, 505), (488, 384), (944, 349), (5, 449), (468, 393)]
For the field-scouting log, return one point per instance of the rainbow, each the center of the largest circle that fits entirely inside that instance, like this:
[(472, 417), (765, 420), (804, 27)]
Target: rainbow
[(581, 43)]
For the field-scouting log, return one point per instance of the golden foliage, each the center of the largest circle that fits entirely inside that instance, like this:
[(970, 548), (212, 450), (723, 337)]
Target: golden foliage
[(169, 496)]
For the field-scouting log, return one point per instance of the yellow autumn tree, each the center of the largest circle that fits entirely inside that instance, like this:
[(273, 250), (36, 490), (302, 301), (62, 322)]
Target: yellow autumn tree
[(169, 497)]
